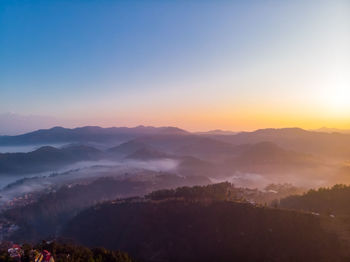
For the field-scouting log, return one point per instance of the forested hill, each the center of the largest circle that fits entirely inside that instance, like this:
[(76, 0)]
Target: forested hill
[(331, 204), (175, 229), (43, 217), (326, 201)]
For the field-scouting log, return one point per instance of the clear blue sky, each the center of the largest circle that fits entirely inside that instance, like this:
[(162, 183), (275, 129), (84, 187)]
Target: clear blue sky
[(196, 64)]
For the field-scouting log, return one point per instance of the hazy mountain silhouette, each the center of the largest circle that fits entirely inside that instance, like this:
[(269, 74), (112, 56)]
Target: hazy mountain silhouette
[(178, 141), (46, 158), (190, 145), (126, 148), (217, 132), (270, 153), (267, 151), (333, 145), (332, 130), (267, 157), (192, 166), (147, 153)]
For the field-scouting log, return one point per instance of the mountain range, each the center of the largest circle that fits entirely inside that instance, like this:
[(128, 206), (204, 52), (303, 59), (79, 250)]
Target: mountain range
[(93, 185), (284, 155), (313, 142)]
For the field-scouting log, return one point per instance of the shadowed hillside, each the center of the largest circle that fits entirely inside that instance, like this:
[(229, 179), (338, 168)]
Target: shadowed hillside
[(203, 226), (43, 217), (334, 200)]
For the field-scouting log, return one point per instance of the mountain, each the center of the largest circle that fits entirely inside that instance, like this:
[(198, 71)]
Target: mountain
[(332, 145), (188, 165), (46, 158), (203, 227), (293, 152), (201, 147), (126, 149), (196, 156), (277, 163), (87, 134), (137, 150), (217, 132), (332, 130), (268, 153), (192, 166), (147, 153), (178, 145), (177, 141)]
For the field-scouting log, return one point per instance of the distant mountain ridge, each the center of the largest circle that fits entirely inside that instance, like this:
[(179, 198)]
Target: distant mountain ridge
[(217, 132), (87, 134), (334, 145), (263, 151), (332, 130)]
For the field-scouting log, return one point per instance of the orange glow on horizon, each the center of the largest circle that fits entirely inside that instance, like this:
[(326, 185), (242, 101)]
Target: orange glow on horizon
[(237, 120)]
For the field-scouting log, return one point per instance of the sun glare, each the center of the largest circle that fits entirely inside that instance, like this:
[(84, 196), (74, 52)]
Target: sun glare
[(336, 97), (339, 99)]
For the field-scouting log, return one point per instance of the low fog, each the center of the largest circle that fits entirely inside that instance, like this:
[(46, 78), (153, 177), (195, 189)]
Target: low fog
[(15, 186), (259, 181), (82, 172)]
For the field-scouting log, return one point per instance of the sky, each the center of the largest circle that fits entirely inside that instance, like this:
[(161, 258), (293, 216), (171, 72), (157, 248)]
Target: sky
[(199, 65)]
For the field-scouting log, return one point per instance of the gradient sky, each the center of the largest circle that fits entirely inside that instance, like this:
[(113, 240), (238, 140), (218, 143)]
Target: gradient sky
[(238, 65)]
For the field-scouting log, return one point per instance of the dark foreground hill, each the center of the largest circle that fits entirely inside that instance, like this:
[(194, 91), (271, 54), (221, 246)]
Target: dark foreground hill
[(44, 217), (185, 230), (66, 252), (330, 202), (326, 201)]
